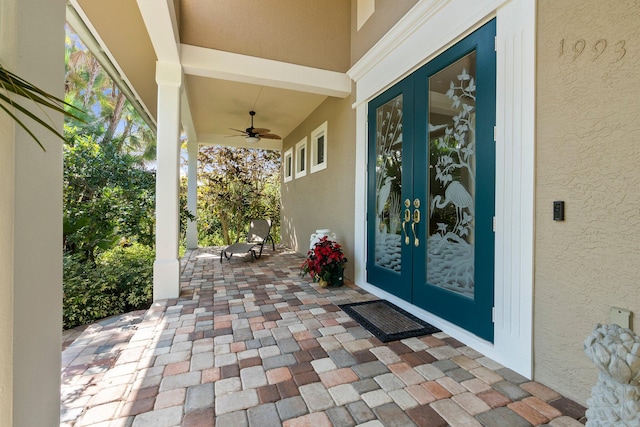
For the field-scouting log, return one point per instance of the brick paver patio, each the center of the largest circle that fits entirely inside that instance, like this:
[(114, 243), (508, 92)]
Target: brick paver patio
[(254, 344)]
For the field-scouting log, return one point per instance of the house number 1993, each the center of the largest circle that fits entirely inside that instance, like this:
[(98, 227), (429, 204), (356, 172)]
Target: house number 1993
[(593, 50)]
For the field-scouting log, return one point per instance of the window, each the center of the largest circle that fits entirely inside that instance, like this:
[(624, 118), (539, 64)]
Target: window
[(319, 148), (301, 158), (288, 165)]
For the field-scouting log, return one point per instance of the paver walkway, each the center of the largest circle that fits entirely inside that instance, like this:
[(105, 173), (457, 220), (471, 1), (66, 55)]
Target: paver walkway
[(254, 344)]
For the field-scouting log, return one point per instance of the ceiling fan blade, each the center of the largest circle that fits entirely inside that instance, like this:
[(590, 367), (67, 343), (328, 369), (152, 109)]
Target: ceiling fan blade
[(269, 136), (260, 131), (238, 130), (257, 133), (231, 136)]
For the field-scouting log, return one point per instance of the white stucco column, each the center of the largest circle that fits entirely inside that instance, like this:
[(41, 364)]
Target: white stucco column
[(31, 45), (192, 194), (166, 268)]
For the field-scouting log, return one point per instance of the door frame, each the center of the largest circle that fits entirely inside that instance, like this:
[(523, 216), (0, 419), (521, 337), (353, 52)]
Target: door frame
[(403, 50)]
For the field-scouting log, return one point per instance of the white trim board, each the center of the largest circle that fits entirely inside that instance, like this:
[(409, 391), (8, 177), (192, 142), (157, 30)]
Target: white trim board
[(405, 48), (200, 61)]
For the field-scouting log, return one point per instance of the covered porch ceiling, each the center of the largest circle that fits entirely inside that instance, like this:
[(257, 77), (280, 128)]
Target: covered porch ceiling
[(236, 56)]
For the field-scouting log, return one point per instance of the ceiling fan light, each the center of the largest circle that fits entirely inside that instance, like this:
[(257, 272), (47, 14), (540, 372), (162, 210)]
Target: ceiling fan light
[(252, 139)]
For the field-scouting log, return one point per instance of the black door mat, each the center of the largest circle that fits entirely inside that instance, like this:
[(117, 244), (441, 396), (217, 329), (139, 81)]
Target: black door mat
[(387, 321)]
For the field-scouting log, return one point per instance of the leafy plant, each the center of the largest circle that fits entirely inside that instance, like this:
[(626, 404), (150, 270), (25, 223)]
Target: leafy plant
[(325, 262), (86, 297), (120, 281), (108, 197), (131, 269), (13, 84)]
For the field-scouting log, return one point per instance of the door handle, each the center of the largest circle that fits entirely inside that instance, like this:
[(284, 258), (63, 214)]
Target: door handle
[(416, 220), (407, 218)]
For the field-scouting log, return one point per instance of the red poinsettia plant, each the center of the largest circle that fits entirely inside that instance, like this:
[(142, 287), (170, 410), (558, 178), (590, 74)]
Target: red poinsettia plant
[(325, 262)]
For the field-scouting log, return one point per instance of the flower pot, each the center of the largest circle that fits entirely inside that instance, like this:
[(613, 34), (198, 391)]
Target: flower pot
[(338, 281), (319, 234), (337, 278)]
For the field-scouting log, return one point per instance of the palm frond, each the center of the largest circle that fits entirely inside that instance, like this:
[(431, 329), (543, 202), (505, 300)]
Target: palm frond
[(13, 84)]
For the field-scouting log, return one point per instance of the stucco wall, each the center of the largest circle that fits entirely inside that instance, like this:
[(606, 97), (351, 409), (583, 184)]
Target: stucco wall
[(31, 223), (387, 13), (305, 32), (324, 199), (588, 148)]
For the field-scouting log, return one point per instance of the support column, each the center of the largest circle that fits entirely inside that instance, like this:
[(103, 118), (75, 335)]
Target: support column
[(31, 45), (166, 268), (192, 194)]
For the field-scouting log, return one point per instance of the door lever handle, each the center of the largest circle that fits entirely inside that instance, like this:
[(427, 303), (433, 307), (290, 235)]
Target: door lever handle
[(407, 218), (416, 220)]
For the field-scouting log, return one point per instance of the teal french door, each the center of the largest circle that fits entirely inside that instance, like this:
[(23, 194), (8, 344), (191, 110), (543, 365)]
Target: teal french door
[(431, 185)]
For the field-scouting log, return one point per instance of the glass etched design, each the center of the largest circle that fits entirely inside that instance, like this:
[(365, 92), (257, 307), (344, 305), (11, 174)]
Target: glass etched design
[(388, 184), (452, 164)]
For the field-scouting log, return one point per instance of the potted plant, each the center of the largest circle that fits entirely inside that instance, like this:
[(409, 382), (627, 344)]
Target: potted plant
[(325, 263)]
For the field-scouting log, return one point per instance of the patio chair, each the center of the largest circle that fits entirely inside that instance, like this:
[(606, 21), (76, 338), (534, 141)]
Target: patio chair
[(259, 234)]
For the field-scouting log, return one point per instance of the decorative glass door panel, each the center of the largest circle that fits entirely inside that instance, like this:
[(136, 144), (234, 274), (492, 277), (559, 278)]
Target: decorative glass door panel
[(453, 272), (452, 175), (431, 186), (389, 184), (390, 115)]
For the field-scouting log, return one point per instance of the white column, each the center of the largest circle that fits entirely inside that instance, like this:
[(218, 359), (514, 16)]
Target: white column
[(166, 269), (31, 45), (192, 194)]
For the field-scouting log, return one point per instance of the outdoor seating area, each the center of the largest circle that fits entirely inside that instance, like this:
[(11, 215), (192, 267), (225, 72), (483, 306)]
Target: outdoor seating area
[(255, 344), (259, 234)]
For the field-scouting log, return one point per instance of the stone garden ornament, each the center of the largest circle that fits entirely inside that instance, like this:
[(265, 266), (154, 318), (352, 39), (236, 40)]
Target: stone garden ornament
[(615, 399)]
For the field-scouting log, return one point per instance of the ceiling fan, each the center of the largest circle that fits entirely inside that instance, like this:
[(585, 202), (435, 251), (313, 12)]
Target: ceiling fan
[(253, 135)]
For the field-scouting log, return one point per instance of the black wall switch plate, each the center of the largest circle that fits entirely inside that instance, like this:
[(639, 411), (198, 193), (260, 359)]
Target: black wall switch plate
[(558, 210)]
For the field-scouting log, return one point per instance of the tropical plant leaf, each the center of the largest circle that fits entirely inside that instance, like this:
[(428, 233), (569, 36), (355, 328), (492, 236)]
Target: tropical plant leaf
[(30, 115), (13, 84), (17, 120)]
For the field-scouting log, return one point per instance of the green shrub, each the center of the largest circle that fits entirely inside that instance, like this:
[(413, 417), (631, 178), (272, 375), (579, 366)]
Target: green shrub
[(86, 297), (121, 281), (131, 270)]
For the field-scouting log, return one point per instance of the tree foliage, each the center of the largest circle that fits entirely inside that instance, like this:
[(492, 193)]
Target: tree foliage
[(109, 190), (108, 197), (108, 114), (235, 186)]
